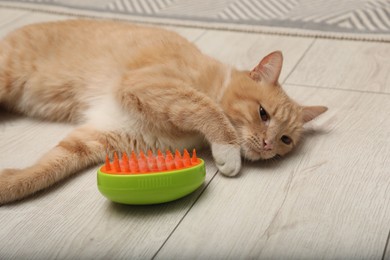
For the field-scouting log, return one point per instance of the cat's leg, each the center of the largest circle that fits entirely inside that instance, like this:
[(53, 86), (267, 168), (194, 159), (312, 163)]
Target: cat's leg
[(2, 87), (3, 74), (190, 111), (83, 147), (198, 112), (8, 91)]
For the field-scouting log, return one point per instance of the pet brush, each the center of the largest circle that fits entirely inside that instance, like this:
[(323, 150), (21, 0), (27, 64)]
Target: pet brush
[(150, 178)]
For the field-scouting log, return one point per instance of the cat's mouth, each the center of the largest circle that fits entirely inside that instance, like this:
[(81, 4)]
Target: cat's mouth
[(254, 152)]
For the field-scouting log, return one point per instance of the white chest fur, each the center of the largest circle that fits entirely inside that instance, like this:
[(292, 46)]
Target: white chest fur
[(106, 115)]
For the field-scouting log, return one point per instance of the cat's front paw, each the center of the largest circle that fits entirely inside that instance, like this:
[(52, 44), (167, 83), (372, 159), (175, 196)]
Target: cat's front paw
[(227, 157)]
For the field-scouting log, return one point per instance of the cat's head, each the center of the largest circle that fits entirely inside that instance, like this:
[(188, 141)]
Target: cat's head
[(268, 122)]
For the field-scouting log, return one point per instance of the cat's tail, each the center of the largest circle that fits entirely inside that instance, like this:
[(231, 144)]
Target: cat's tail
[(83, 147)]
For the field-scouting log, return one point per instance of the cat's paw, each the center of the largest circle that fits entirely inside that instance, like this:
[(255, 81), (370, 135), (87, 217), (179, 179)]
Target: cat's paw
[(227, 157)]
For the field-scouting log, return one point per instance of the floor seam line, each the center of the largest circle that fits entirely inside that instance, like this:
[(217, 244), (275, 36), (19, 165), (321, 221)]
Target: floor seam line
[(185, 214), (199, 36), (386, 246), (340, 89), (299, 60), (18, 18)]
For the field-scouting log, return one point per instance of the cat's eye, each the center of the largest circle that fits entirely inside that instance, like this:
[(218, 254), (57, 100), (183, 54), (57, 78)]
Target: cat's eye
[(263, 114), (285, 139)]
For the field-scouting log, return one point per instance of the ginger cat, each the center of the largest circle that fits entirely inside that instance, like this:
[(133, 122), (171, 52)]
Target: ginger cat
[(130, 87)]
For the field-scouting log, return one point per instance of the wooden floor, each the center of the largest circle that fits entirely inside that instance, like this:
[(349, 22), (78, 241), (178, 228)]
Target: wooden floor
[(330, 199)]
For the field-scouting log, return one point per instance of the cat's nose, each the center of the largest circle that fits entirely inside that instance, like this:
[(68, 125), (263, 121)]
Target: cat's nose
[(268, 145)]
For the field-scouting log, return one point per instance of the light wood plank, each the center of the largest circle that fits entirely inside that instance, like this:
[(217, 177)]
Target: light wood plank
[(354, 65), (10, 15), (244, 50), (330, 199)]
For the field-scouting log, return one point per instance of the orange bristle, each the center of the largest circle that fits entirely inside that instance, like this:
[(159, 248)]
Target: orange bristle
[(178, 160), (194, 159), (108, 165), (133, 163), (152, 162), (142, 163), (125, 162), (170, 162), (117, 167), (177, 154), (133, 155), (186, 158), (161, 161)]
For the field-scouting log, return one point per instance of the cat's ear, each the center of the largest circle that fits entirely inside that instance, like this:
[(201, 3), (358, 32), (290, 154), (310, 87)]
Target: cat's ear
[(311, 112), (269, 68)]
